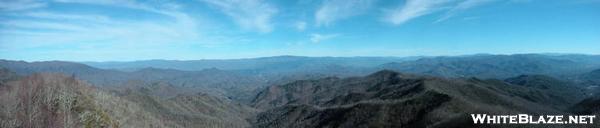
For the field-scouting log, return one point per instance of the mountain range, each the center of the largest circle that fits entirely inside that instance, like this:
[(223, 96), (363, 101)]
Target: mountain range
[(295, 91), (391, 99)]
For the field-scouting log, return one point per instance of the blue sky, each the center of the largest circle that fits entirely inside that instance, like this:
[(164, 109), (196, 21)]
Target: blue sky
[(122, 30)]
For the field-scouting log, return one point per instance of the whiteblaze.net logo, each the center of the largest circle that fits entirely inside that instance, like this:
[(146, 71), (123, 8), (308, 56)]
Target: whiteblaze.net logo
[(529, 119)]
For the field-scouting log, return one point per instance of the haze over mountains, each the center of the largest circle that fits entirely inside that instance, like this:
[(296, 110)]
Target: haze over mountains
[(294, 91), (251, 63), (296, 63)]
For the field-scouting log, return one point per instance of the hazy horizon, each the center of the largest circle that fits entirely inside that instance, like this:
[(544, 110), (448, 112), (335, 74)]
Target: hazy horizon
[(107, 30), (299, 63), (158, 59)]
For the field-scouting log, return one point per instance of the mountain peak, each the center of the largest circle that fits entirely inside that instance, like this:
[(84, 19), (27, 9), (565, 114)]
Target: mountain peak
[(385, 73)]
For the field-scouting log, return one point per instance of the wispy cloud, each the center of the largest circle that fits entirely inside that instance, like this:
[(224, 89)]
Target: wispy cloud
[(28, 24), (16, 5), (416, 8), (318, 38), (334, 10), (250, 14), (165, 8), (462, 6), (413, 9), (32, 28), (300, 25), (63, 16)]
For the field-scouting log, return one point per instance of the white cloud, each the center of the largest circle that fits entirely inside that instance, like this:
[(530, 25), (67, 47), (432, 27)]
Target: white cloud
[(63, 16), (113, 31), (73, 29), (300, 25), (250, 14), (334, 10), (462, 6), (317, 38), (42, 25), (417, 8), (413, 9), (168, 8), (17, 5)]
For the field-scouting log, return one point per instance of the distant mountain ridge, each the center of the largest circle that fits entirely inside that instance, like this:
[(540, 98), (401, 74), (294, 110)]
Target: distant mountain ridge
[(26, 68), (477, 65), (250, 63), (240, 78), (499, 66), (209, 80)]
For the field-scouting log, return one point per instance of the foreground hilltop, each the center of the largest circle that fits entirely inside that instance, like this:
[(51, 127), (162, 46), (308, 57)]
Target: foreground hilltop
[(382, 99), (391, 99), (56, 100)]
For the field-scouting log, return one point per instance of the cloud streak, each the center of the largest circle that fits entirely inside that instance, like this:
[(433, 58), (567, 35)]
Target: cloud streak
[(31, 29), (334, 10), (416, 8), (413, 9), (300, 25), (17, 5), (318, 38), (463, 6), (249, 14)]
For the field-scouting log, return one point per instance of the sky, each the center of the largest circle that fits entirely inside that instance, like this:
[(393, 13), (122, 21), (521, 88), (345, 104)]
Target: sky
[(126, 30)]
